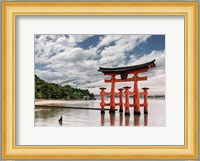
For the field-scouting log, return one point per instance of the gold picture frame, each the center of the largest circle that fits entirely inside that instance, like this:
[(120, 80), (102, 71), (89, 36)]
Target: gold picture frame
[(12, 9)]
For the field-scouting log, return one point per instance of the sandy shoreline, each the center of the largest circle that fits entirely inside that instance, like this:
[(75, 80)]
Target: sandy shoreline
[(73, 104), (59, 102), (63, 103), (49, 102)]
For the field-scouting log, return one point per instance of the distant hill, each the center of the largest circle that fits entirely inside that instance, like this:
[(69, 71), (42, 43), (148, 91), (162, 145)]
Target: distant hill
[(45, 90)]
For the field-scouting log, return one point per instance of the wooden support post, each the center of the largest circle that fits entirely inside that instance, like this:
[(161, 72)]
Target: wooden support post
[(121, 99), (112, 95), (145, 100), (127, 104), (136, 98), (102, 104)]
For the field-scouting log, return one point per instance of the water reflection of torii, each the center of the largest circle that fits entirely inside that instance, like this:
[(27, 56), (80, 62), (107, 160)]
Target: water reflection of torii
[(124, 72), (126, 121)]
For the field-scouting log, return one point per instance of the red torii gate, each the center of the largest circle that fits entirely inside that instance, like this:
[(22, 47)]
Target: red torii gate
[(124, 72)]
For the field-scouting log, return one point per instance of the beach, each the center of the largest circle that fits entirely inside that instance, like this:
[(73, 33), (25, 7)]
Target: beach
[(58, 103)]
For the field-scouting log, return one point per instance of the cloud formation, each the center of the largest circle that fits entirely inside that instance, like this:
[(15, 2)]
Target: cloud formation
[(75, 59)]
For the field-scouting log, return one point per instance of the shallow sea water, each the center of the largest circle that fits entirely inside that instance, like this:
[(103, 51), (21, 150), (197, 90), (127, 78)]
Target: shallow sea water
[(48, 116)]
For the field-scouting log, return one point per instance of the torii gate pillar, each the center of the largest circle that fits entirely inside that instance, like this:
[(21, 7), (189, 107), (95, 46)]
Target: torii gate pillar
[(112, 95), (136, 97), (145, 100)]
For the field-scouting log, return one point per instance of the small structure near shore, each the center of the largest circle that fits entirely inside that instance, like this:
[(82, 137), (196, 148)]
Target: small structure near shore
[(124, 72)]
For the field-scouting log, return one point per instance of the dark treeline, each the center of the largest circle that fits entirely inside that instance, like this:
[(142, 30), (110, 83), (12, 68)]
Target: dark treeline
[(45, 90)]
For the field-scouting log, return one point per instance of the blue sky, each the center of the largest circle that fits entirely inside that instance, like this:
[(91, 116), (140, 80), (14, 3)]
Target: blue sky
[(75, 59)]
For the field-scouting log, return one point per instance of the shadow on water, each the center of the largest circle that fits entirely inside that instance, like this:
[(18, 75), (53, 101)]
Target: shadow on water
[(136, 119)]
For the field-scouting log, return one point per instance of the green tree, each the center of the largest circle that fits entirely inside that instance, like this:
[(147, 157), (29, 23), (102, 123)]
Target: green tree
[(45, 90)]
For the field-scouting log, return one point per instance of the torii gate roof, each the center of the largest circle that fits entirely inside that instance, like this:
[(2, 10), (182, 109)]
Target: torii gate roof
[(133, 68)]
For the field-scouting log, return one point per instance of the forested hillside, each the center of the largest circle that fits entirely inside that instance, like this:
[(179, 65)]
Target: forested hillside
[(45, 90)]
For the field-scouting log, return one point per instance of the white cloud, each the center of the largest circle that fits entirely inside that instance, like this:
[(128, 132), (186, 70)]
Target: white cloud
[(49, 75), (112, 55), (156, 76), (108, 39), (78, 38), (68, 64)]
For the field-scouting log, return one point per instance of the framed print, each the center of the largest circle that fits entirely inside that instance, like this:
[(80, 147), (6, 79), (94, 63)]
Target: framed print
[(100, 80)]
